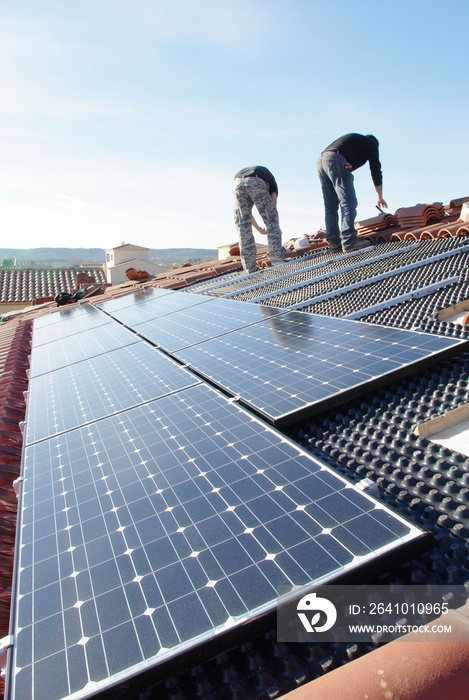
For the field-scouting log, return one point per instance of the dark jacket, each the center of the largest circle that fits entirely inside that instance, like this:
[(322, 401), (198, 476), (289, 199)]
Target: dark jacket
[(357, 150), (263, 173)]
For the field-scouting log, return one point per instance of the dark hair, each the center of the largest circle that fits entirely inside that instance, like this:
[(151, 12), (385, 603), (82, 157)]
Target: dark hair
[(373, 138)]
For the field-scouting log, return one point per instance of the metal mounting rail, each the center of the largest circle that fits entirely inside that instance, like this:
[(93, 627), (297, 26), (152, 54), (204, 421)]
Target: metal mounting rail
[(258, 273), (265, 283), (376, 278), (421, 292), (252, 275), (333, 273), (217, 284)]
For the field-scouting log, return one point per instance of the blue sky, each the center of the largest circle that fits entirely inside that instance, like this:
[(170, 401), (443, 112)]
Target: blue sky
[(126, 120)]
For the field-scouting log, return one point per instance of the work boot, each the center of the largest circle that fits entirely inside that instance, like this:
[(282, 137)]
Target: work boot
[(358, 245), (277, 261), (334, 245)]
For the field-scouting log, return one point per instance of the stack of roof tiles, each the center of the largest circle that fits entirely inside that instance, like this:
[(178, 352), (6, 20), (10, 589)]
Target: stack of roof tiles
[(420, 215), (376, 223), (422, 222)]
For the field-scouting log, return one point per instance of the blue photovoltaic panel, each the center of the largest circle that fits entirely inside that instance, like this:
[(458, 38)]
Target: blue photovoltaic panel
[(189, 326), (95, 388), (150, 306), (61, 324), (81, 346), (127, 300), (295, 364), (153, 531), (73, 313)]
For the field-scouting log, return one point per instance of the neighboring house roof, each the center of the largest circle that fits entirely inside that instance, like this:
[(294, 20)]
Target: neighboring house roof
[(260, 247), (128, 246), (403, 282), (27, 285), (135, 261)]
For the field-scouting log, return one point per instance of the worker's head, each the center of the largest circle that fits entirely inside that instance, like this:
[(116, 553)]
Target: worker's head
[(373, 138)]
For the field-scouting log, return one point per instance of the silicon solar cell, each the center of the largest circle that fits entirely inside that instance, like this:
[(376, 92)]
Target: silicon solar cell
[(75, 313), (66, 323), (127, 300), (81, 346), (89, 390), (158, 529), (205, 321), (295, 364), (149, 306)]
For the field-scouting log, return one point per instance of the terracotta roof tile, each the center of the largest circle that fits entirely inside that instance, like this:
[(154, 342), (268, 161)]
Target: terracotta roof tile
[(432, 671), (377, 223), (377, 236), (456, 204), (25, 286), (420, 214), (136, 275), (14, 353), (306, 250), (461, 232)]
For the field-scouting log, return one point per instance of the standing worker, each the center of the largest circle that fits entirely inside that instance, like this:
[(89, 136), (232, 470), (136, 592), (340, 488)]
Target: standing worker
[(256, 186), (335, 166)]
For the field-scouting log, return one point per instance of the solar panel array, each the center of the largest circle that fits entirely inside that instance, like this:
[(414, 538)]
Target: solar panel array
[(81, 346), (149, 306), (69, 322), (297, 364), (92, 389), (195, 325), (154, 529), (283, 365), (156, 513)]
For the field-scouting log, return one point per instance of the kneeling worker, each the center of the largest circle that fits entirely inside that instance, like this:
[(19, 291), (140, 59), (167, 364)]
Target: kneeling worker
[(256, 186)]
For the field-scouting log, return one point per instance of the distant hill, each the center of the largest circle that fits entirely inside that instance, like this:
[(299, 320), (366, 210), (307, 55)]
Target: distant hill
[(62, 257)]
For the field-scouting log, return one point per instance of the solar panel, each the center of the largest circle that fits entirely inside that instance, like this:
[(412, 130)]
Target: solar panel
[(127, 300), (81, 346), (66, 323), (89, 390), (74, 313), (183, 328), (150, 306), (151, 532), (296, 364)]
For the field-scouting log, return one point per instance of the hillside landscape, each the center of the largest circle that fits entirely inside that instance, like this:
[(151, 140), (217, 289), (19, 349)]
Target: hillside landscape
[(62, 257)]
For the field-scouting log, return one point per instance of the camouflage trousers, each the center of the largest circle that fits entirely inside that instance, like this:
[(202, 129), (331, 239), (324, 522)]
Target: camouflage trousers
[(249, 192)]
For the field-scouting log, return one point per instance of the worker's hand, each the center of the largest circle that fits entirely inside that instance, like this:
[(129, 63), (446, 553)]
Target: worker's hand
[(256, 225), (382, 203)]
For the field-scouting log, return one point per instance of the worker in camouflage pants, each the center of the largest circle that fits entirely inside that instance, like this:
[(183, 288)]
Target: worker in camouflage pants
[(256, 186)]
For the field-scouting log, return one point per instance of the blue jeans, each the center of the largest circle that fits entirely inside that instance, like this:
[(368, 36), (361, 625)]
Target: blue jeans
[(339, 194)]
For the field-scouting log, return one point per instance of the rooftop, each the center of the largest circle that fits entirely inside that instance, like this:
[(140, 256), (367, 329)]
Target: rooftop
[(27, 285), (378, 310)]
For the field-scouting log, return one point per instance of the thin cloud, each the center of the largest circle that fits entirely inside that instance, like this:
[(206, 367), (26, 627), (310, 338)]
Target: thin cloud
[(219, 24)]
